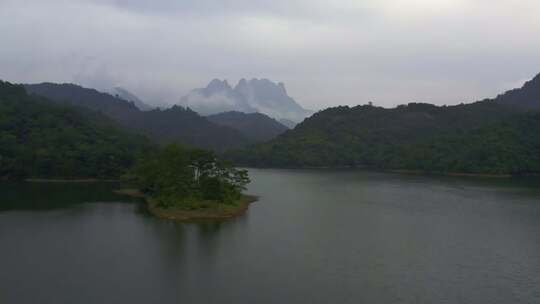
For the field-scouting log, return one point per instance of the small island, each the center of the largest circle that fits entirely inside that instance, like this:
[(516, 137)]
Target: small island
[(185, 184)]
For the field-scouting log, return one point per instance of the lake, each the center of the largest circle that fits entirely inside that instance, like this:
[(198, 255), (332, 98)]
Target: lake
[(315, 236)]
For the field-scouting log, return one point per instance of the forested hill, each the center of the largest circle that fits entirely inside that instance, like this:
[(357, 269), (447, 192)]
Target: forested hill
[(176, 124), (255, 126), (526, 97), (492, 137), (41, 139), (83, 97)]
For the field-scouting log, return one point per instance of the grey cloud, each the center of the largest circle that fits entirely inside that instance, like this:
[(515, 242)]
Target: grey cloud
[(326, 52), (292, 8)]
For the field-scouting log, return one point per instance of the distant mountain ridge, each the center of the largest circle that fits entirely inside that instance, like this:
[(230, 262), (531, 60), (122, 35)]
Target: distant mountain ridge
[(255, 95), (128, 96), (493, 136), (176, 124), (256, 126)]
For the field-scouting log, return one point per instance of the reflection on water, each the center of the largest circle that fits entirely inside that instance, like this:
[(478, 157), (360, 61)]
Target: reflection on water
[(49, 196), (314, 237)]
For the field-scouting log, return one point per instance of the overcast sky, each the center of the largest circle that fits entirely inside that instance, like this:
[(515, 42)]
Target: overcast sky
[(326, 52)]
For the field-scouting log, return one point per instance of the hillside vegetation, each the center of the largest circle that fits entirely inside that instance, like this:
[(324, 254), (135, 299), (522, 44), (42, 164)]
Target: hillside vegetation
[(181, 177), (255, 126), (42, 139)]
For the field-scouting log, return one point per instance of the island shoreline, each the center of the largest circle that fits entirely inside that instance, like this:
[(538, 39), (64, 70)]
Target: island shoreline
[(181, 215)]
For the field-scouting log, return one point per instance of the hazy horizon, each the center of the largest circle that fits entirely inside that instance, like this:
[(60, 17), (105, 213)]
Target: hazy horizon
[(340, 53)]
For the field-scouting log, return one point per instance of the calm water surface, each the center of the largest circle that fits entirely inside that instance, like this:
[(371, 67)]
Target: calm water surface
[(314, 237)]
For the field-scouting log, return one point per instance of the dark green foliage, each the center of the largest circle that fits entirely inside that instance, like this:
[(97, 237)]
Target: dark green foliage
[(484, 137), (185, 177), (40, 139), (511, 146), (255, 126)]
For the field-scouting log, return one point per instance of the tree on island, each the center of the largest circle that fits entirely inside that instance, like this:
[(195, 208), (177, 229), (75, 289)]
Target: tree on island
[(178, 176)]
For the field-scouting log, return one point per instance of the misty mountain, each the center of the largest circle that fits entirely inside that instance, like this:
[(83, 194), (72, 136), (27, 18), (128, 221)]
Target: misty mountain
[(500, 136), (176, 124), (255, 95), (255, 126), (288, 123), (128, 96)]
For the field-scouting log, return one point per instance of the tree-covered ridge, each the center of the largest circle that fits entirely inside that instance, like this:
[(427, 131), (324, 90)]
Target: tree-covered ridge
[(173, 125), (511, 146), (526, 97), (483, 137), (187, 178), (255, 126), (42, 139)]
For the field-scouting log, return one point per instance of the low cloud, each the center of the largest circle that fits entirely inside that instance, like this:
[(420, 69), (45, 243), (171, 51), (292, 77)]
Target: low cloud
[(328, 53), (207, 105)]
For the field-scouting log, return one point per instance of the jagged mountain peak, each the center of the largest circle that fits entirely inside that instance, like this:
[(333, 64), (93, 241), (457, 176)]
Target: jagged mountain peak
[(242, 82), (217, 85), (249, 96)]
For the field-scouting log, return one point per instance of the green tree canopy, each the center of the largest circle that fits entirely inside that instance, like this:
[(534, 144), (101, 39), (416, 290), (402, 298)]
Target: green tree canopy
[(178, 175), (45, 140)]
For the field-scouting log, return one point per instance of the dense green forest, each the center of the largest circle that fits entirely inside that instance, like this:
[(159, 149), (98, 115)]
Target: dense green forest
[(499, 136), (188, 178), (511, 146), (42, 139)]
